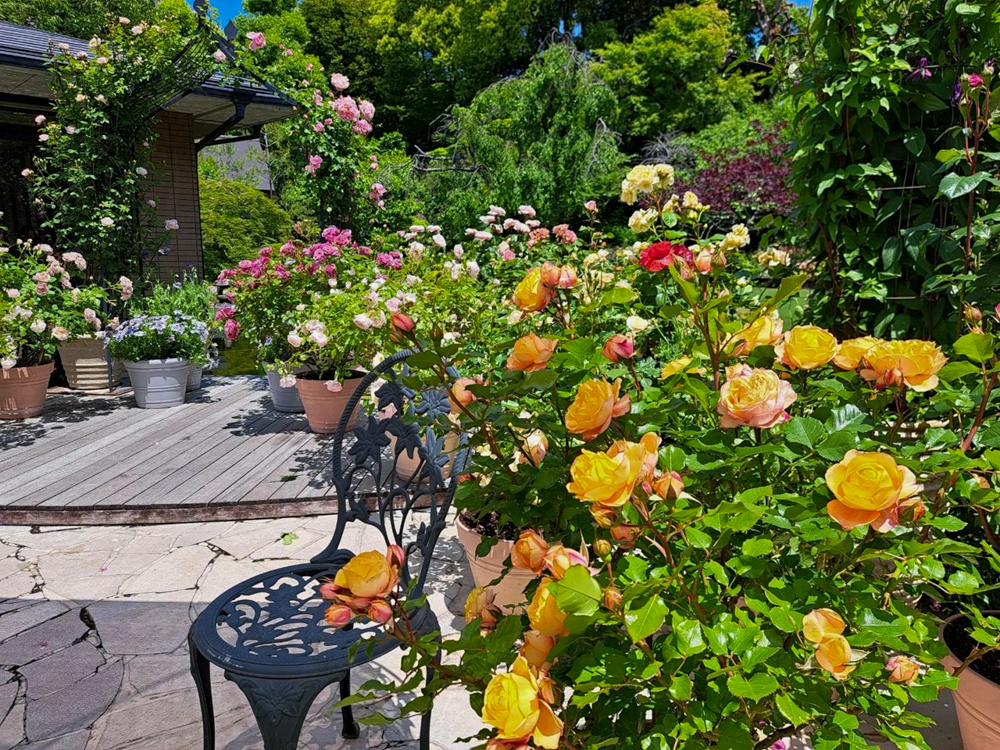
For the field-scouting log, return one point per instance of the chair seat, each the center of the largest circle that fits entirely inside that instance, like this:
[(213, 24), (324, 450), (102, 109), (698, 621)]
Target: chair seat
[(272, 626)]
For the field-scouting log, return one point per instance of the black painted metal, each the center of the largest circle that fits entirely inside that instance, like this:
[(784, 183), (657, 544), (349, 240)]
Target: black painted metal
[(268, 633)]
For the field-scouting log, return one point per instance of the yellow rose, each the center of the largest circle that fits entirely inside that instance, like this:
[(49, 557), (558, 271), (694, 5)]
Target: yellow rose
[(821, 624), (596, 404), (531, 295), (756, 398), (913, 362), (531, 353), (536, 648), (608, 481), (681, 364), (834, 655), (806, 347), (764, 331), (479, 605), (869, 488), (529, 552), (514, 705), (650, 442), (559, 559), (852, 351), (544, 613), (367, 576), (535, 447)]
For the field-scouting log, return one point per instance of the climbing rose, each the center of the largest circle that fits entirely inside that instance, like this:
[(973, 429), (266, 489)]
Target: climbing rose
[(257, 40), (339, 81)]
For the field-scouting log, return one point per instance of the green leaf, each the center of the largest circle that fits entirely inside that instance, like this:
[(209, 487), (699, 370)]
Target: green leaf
[(805, 431), (914, 140), (955, 185), (577, 593), (680, 687), (881, 624), (846, 721), (788, 286), (967, 9), (646, 620), (698, 539), (976, 346), (689, 638), (735, 736), (837, 444), (755, 688), (757, 547), (957, 370), (784, 619), (791, 711)]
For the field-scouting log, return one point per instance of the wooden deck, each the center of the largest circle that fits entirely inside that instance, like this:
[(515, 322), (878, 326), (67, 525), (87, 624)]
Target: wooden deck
[(225, 454)]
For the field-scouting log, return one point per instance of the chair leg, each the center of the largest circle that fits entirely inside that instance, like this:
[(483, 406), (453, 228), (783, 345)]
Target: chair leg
[(280, 706), (202, 679), (425, 718), (351, 730)]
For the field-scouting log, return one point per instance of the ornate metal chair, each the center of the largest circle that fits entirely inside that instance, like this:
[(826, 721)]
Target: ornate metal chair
[(268, 633)]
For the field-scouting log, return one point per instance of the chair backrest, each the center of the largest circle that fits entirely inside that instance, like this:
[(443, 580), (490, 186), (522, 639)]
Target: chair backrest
[(395, 460)]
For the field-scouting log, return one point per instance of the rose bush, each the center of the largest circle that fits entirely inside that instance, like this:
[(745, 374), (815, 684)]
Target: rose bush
[(762, 552)]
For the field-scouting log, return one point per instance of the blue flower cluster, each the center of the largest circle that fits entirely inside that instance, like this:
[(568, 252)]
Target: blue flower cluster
[(146, 337)]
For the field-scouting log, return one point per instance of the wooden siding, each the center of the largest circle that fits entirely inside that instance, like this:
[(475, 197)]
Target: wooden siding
[(175, 190)]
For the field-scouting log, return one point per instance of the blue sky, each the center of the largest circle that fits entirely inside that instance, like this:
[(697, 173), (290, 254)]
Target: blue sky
[(226, 8)]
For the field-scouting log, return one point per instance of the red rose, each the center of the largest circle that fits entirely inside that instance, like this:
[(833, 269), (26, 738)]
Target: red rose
[(659, 255)]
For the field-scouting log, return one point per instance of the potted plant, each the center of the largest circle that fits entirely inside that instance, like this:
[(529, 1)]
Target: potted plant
[(157, 352), (974, 658), (194, 298), (264, 293)]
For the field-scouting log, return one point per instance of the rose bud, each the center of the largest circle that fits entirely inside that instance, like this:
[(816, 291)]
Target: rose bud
[(559, 559), (719, 261), (612, 598), (529, 552), (380, 611), (337, 615), (550, 274), (973, 315), (602, 548), (536, 447), (567, 277), (536, 648), (604, 517), (618, 347), (703, 262), (903, 669), (328, 590), (402, 322), (625, 535), (669, 485), (395, 555)]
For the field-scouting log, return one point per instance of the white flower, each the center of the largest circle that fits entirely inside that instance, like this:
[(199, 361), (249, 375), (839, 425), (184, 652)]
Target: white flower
[(13, 293), (70, 129), (458, 251), (319, 338), (219, 56), (81, 97), (473, 268), (107, 221), (151, 203), (100, 98), (40, 119), (26, 172), (439, 240), (294, 340), (7, 363), (433, 228), (526, 211), (497, 211), (416, 228), (363, 322), (141, 171), (171, 225), (43, 137), (334, 386), (636, 324), (37, 325), (287, 381), (59, 333)]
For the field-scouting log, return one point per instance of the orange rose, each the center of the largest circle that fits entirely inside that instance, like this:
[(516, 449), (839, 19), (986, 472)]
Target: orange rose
[(903, 669), (529, 551), (806, 347), (535, 447), (531, 353), (913, 362), (834, 655), (852, 351), (596, 404), (460, 393), (536, 649), (869, 488), (531, 295), (757, 398)]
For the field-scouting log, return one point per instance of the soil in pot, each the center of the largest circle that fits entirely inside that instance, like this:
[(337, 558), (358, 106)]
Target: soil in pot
[(957, 638), (509, 592)]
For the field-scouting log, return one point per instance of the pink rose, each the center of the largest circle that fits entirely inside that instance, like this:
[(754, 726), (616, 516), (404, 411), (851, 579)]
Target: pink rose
[(339, 81), (257, 40), (754, 397)]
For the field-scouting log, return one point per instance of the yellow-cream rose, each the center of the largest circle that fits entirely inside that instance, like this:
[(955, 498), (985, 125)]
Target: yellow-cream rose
[(531, 353), (529, 552), (852, 351), (806, 347), (597, 402), (544, 613), (766, 330), (535, 447), (368, 575), (650, 442), (608, 481), (514, 705), (756, 398), (536, 648), (531, 294), (913, 362), (681, 364), (834, 655), (869, 488), (479, 605), (821, 624)]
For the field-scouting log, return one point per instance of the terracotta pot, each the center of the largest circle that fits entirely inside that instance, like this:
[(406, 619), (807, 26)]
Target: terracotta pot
[(283, 399), (325, 407), (509, 592), (976, 702), (85, 362), (159, 383), (22, 391), (408, 462)]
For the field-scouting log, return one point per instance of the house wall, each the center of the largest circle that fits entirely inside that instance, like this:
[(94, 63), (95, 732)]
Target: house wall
[(175, 190)]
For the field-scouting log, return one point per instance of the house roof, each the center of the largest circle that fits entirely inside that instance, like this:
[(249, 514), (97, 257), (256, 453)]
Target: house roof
[(24, 87)]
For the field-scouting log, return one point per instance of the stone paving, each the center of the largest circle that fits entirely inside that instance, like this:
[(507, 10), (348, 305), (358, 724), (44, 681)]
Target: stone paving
[(93, 626)]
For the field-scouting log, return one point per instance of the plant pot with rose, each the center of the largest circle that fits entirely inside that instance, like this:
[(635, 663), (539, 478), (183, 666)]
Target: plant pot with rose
[(974, 658), (158, 351)]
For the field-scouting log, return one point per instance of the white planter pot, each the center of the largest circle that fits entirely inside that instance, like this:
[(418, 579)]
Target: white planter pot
[(158, 383), (283, 399), (194, 377)]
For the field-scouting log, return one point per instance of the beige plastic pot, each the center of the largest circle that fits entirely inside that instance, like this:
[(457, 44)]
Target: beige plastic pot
[(509, 592), (85, 363), (325, 407), (22, 391), (976, 702), (408, 462)]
